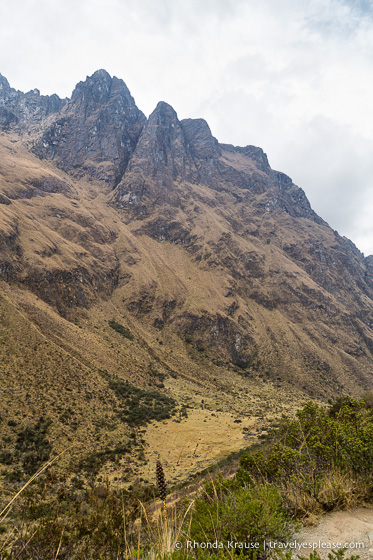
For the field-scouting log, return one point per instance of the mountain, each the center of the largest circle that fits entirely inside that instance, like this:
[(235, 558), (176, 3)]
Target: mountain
[(144, 251), (96, 131)]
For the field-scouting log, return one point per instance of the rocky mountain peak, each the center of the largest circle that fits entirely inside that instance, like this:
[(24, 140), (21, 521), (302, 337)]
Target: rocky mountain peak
[(163, 114), (7, 117), (96, 132), (257, 155), (96, 88), (168, 152), (162, 135), (159, 159), (100, 90)]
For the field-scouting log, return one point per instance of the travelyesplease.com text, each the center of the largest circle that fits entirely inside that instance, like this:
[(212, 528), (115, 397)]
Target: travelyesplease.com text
[(268, 545)]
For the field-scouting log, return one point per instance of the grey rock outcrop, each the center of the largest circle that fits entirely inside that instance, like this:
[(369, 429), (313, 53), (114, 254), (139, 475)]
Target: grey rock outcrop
[(96, 132), (25, 109)]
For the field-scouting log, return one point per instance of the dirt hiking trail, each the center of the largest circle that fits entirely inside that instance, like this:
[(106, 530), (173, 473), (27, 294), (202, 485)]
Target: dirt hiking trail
[(355, 526)]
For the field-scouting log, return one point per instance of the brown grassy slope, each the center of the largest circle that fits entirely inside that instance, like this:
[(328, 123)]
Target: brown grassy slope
[(56, 375), (49, 241), (50, 366), (229, 282), (202, 284), (249, 280)]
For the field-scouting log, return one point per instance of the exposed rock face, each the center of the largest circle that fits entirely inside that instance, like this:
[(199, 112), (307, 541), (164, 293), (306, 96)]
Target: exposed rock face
[(25, 109), (168, 151), (96, 132), (7, 118)]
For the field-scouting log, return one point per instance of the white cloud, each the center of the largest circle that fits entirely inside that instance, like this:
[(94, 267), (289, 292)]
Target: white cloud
[(292, 76)]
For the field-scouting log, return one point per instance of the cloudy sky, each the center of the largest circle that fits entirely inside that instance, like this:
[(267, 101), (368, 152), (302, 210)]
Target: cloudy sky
[(294, 77)]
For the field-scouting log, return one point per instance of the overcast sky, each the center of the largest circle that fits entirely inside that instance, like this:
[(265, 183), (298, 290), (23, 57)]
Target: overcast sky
[(294, 77)]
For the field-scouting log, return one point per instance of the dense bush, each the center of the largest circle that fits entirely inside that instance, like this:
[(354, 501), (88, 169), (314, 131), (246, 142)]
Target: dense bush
[(82, 524), (247, 514), (322, 457), (93, 461), (6, 457)]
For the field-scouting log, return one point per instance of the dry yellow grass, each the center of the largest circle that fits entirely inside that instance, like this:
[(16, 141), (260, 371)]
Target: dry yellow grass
[(51, 364)]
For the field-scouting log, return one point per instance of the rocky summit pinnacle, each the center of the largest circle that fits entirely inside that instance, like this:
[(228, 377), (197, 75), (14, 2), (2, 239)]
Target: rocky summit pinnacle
[(168, 151), (96, 88), (96, 132)]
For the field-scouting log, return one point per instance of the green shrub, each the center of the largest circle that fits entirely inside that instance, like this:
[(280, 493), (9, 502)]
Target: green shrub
[(33, 446), (326, 455), (124, 331), (97, 522), (246, 514), (93, 461), (6, 457)]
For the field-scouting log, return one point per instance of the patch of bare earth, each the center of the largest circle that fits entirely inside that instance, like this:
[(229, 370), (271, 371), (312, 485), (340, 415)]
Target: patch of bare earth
[(353, 529)]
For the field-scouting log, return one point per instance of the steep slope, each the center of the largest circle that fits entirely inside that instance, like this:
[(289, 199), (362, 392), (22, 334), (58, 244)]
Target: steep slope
[(252, 226), (50, 243), (143, 250)]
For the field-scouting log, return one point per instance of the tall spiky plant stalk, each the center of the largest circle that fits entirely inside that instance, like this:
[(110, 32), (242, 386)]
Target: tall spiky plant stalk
[(162, 487)]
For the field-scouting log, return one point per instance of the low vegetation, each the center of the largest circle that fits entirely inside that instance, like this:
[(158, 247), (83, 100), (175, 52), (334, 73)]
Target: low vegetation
[(91, 463), (139, 406), (124, 331), (30, 449), (319, 461)]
